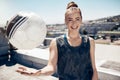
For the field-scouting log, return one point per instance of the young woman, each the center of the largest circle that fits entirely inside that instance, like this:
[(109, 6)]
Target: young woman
[(72, 54)]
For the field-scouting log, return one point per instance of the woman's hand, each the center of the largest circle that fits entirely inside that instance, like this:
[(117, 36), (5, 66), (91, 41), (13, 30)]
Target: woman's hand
[(28, 71)]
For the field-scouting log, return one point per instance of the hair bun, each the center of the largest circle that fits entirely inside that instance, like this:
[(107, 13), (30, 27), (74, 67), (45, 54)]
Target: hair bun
[(71, 4)]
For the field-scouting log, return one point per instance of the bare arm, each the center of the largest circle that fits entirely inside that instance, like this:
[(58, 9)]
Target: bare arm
[(92, 54), (51, 67), (47, 70)]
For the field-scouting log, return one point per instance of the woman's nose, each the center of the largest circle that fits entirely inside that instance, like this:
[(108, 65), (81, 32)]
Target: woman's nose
[(74, 22)]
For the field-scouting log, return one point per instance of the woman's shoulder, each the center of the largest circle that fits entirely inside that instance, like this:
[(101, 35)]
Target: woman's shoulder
[(91, 39), (92, 42), (53, 41)]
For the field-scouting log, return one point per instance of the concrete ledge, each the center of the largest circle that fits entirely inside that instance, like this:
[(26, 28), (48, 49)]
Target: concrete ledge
[(4, 46), (37, 57), (4, 50), (3, 57)]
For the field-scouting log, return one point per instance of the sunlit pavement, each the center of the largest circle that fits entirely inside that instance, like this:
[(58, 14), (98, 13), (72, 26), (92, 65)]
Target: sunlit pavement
[(9, 73), (107, 62)]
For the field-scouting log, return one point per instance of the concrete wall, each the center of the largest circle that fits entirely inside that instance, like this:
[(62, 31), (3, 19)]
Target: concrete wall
[(4, 46)]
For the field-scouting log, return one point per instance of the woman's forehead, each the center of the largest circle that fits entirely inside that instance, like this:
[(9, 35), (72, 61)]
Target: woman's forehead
[(73, 13), (73, 9)]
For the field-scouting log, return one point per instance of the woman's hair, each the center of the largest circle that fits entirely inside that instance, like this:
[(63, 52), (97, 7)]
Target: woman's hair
[(72, 5)]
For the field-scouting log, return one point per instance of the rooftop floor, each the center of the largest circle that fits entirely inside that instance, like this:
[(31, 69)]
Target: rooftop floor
[(8, 72), (107, 62)]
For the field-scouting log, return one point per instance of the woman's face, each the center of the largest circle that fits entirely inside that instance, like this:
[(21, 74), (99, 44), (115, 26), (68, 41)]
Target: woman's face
[(73, 20)]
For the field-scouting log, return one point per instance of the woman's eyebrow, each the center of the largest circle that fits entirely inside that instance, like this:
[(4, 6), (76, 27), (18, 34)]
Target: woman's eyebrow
[(69, 18), (77, 17)]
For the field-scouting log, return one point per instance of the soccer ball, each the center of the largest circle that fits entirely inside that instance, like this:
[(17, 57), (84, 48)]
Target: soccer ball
[(26, 30)]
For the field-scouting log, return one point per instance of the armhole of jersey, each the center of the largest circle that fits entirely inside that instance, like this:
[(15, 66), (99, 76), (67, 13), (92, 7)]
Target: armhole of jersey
[(59, 41), (86, 41)]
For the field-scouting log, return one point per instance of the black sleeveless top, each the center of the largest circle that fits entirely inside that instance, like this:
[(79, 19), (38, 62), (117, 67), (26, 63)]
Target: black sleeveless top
[(74, 63)]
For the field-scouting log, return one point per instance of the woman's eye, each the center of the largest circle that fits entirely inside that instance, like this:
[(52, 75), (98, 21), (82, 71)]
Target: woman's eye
[(77, 19), (69, 20)]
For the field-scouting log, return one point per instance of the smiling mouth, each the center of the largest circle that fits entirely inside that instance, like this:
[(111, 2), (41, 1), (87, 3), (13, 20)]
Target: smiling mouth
[(74, 27)]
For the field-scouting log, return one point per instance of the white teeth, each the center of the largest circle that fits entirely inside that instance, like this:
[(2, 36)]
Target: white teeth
[(74, 27)]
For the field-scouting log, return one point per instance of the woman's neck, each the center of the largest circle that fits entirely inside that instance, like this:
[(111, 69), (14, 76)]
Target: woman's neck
[(74, 39), (73, 35)]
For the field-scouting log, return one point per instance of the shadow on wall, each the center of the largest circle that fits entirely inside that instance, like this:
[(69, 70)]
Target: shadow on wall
[(4, 47)]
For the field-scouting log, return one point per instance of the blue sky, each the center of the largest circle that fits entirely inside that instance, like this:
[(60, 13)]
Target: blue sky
[(52, 11)]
